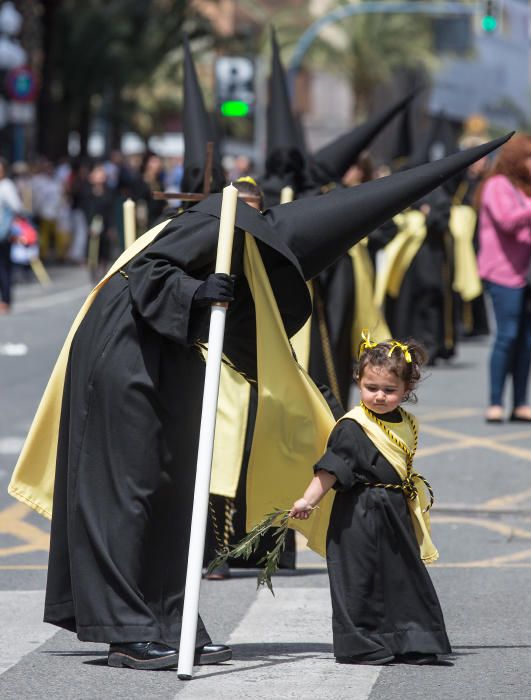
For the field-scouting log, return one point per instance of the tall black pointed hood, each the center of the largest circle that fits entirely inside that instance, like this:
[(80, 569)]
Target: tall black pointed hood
[(283, 149), (197, 131), (332, 161), (320, 229)]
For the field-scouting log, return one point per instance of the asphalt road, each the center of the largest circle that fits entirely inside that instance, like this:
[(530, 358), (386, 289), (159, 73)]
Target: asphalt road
[(481, 475)]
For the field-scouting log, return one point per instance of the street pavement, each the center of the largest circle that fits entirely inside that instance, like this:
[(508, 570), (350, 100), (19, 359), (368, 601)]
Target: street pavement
[(481, 475)]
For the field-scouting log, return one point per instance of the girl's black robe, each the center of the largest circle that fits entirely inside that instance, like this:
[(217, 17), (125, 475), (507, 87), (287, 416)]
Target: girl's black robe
[(382, 596), (130, 424)]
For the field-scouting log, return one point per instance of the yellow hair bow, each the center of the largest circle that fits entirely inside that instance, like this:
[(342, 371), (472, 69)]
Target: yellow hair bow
[(366, 342), (247, 178), (395, 344)]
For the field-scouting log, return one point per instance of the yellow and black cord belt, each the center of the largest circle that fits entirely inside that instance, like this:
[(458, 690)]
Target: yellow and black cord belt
[(408, 486)]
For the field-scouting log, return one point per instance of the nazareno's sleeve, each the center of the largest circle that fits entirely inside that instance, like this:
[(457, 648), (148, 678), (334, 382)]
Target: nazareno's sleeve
[(164, 278), (344, 453)]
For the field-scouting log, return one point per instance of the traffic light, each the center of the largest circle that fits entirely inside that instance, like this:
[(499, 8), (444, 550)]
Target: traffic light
[(235, 86), (489, 16)]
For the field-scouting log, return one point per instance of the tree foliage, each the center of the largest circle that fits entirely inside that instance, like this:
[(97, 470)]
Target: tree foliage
[(96, 54), (367, 49)]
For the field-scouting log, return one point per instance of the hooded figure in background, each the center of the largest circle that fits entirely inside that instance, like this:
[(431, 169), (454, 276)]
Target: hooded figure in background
[(343, 292), (330, 163), (422, 303), (285, 164), (114, 441), (198, 130)]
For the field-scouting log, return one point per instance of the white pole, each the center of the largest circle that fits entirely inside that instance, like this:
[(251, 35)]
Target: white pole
[(129, 223), (206, 444)]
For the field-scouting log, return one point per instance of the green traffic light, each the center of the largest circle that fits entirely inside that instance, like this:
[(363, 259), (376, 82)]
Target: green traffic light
[(489, 23), (234, 108)]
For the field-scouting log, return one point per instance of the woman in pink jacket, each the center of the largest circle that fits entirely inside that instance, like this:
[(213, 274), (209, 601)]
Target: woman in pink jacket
[(504, 260)]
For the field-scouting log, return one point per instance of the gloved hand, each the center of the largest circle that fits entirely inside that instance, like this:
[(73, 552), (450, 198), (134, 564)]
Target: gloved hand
[(216, 287)]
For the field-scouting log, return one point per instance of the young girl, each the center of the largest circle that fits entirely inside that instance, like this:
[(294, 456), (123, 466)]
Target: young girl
[(384, 605)]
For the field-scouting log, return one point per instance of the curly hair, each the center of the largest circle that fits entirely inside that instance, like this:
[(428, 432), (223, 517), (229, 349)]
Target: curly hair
[(511, 163), (390, 355)]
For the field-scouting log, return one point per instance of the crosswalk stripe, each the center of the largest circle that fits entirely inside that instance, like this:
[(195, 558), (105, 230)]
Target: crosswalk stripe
[(268, 662), (21, 630)]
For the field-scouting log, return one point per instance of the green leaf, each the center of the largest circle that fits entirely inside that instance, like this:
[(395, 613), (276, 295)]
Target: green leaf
[(243, 549)]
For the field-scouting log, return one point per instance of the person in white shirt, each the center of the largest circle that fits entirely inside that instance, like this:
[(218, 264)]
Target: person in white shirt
[(10, 203)]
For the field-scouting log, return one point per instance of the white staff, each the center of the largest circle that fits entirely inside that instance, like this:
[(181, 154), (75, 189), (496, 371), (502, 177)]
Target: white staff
[(129, 222), (206, 443)]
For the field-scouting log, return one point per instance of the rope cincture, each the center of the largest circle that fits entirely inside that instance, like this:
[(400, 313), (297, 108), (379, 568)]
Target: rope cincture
[(408, 486), (228, 522)]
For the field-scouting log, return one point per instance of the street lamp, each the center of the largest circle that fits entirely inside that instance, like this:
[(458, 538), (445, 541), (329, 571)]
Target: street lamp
[(12, 55)]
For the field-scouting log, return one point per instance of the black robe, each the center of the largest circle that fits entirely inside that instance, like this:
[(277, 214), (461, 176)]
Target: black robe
[(334, 306), (382, 596), (130, 425), (426, 308)]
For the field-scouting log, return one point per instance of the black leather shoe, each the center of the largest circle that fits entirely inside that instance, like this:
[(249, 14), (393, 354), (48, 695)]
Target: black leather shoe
[(369, 660), (149, 656), (212, 654), (417, 659)]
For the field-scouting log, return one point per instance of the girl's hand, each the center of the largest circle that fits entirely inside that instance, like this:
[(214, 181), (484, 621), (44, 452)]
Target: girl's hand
[(301, 510)]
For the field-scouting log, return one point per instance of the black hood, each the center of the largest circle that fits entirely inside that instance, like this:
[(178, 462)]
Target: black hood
[(331, 162), (197, 131), (320, 229), (284, 152)]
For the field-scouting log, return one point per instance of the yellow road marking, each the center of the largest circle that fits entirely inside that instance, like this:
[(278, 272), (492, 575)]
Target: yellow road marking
[(509, 500), (12, 523), (448, 413), (482, 442), (495, 526)]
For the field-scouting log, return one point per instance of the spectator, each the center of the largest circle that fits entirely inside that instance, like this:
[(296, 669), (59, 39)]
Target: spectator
[(97, 203), (504, 257), (10, 204), (48, 206)]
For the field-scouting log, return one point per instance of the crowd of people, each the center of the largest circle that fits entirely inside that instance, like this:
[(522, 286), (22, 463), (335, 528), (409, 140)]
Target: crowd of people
[(73, 202)]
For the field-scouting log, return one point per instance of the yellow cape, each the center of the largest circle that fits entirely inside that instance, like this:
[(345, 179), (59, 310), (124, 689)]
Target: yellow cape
[(366, 313), (293, 420), (467, 282), (34, 475), (399, 253)]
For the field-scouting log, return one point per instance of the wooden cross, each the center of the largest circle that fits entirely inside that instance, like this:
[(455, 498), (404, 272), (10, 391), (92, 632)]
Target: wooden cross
[(199, 196)]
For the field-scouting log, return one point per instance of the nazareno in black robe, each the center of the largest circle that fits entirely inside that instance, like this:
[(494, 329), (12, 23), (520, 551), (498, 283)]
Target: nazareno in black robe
[(130, 426), (425, 308), (383, 599)]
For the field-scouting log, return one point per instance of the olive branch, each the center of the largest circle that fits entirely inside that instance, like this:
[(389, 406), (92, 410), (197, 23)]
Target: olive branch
[(243, 549)]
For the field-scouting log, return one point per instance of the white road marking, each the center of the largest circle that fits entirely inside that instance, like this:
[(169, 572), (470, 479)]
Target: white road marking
[(11, 445), (269, 663), (22, 629), (13, 349)]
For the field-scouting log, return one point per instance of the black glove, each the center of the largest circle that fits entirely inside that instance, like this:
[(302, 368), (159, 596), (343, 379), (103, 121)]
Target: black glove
[(216, 287)]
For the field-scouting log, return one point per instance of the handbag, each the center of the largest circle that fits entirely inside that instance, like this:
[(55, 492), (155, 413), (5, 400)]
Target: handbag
[(24, 231)]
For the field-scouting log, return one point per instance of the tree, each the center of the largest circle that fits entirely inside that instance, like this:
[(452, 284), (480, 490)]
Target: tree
[(369, 49), (95, 54)]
